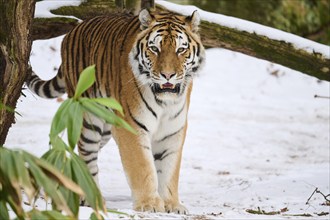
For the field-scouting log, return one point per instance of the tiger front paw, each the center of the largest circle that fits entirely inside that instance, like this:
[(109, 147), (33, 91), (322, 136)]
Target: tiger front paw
[(150, 205), (175, 207)]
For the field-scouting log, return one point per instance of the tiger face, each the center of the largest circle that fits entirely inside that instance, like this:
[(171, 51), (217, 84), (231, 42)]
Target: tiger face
[(167, 53)]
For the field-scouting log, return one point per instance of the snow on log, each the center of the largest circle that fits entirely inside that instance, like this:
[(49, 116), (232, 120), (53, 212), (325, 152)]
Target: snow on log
[(43, 8), (217, 30)]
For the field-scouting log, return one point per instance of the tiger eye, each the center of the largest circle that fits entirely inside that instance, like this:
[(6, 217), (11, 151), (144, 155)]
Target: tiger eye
[(181, 50), (154, 49)]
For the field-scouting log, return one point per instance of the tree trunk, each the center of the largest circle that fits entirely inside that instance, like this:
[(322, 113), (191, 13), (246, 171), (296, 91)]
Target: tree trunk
[(120, 4), (15, 47), (150, 4)]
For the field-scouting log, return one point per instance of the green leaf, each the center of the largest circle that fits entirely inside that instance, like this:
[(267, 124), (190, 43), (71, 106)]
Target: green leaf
[(10, 191), (117, 212), (60, 119), (99, 111), (47, 215), (86, 80), (107, 115), (61, 159), (96, 216), (85, 180), (110, 103), (52, 214), (72, 198), (58, 143), (58, 176), (24, 176), (21, 169), (56, 157), (36, 214), (49, 178), (3, 210), (122, 123), (10, 196), (75, 123), (49, 186)]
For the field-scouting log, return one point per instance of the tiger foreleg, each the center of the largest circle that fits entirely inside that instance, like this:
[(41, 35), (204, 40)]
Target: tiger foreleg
[(138, 163), (167, 156)]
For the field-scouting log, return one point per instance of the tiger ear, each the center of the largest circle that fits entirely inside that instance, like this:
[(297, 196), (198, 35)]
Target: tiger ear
[(193, 21), (145, 19)]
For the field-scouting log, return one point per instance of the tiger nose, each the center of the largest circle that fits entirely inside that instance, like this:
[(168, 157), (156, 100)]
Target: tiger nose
[(167, 75)]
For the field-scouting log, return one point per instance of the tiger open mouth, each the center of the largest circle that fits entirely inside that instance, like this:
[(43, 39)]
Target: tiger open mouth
[(166, 87)]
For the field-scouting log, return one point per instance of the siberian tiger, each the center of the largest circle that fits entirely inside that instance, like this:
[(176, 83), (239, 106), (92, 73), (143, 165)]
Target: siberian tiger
[(146, 62)]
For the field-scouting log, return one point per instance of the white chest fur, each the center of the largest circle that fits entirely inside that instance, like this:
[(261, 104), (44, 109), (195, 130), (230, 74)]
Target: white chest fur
[(162, 119)]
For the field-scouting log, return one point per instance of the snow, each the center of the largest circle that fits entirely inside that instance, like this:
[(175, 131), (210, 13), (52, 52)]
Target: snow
[(251, 27), (257, 137), (43, 8), (254, 139)]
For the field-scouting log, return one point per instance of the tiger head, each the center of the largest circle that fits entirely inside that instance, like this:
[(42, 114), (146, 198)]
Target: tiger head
[(167, 53)]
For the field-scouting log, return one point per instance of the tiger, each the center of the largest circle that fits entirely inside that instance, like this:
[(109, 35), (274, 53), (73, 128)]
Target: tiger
[(147, 62)]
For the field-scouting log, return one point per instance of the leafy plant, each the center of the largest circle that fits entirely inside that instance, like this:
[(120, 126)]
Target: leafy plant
[(70, 113), (19, 171), (74, 168), (62, 175)]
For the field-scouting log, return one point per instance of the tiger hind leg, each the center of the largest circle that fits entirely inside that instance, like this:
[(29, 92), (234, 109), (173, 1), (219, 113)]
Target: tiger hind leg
[(94, 135), (106, 135), (90, 142)]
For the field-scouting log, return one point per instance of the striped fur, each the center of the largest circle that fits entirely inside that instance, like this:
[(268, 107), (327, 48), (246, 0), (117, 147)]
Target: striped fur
[(147, 63)]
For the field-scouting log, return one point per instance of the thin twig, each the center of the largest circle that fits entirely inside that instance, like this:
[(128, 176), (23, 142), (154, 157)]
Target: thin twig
[(324, 196), (319, 192), (311, 195)]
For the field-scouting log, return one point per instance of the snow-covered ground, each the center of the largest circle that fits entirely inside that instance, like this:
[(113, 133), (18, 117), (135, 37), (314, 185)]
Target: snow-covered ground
[(257, 137)]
